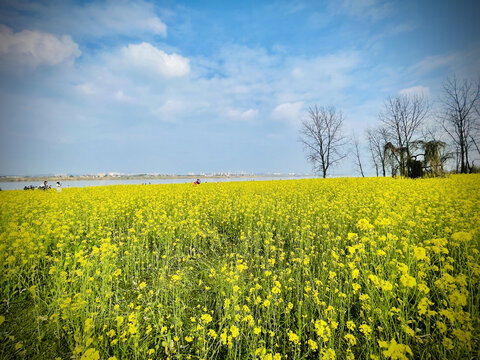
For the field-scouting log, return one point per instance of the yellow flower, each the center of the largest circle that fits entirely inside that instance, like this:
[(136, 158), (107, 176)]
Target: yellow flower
[(328, 354), (206, 318), (419, 252), (188, 338), (351, 325), (293, 337), (387, 286), (223, 337), (364, 224), (462, 236), (365, 329), (395, 350), (448, 343), (441, 327), (364, 297), (423, 288), (463, 336), (423, 306), (226, 304), (91, 354), (142, 285), (408, 330), (408, 281), (257, 330), (235, 331), (212, 333), (350, 355), (355, 273), (313, 345), (458, 299), (350, 339)]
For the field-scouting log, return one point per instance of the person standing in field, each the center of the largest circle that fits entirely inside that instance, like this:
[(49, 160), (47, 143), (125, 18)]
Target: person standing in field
[(59, 186)]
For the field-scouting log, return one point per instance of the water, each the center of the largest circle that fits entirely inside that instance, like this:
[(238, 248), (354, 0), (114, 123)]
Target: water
[(18, 185)]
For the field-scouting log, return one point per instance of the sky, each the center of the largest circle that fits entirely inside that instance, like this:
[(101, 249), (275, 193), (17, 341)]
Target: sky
[(177, 87)]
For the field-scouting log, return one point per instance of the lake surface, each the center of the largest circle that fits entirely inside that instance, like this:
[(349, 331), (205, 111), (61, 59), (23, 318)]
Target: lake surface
[(19, 185)]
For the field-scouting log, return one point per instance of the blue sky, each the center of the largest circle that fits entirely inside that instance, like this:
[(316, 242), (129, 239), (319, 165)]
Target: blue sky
[(211, 86)]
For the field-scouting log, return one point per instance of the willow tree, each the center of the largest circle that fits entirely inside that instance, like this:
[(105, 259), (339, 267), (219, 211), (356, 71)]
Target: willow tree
[(435, 157), (425, 157), (402, 118)]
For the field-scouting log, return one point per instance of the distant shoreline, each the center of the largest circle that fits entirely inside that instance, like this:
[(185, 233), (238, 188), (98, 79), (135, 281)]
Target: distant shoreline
[(136, 177)]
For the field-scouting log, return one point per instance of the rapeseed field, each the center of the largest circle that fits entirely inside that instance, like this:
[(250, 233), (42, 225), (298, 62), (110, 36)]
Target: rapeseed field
[(375, 268)]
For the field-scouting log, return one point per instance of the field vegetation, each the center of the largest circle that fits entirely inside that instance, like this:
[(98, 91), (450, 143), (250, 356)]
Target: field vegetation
[(374, 268)]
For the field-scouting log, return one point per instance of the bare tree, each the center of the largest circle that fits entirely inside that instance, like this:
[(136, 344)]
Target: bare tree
[(377, 138), (358, 161), (322, 136), (460, 103), (402, 118)]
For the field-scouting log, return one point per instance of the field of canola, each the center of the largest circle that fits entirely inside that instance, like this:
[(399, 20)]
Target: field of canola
[(374, 268)]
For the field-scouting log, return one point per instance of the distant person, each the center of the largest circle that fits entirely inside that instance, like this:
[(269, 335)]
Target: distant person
[(197, 182), (59, 186), (45, 185)]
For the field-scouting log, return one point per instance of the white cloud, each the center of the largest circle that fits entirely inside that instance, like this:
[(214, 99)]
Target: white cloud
[(86, 88), (416, 90), (242, 114), (170, 107), (290, 112), (36, 48), (463, 63), (122, 97), (157, 26), (149, 57), (120, 16), (249, 114), (93, 18), (434, 62)]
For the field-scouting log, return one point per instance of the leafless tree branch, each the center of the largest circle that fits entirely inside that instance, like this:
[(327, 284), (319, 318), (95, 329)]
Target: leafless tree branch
[(322, 136)]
